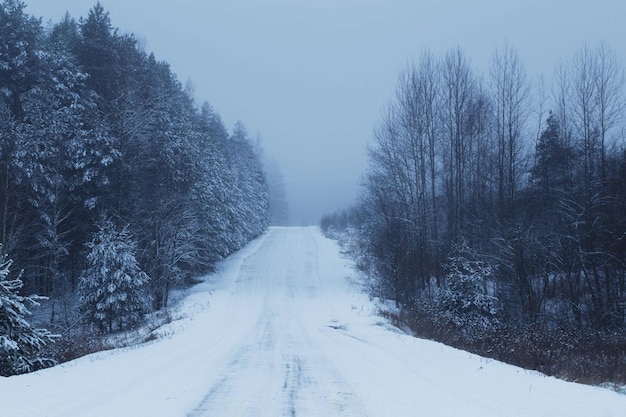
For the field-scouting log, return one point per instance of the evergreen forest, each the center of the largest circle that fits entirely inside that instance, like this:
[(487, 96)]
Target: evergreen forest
[(115, 187)]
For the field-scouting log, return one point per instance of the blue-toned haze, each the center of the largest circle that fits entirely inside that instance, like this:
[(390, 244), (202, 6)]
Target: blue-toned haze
[(310, 77)]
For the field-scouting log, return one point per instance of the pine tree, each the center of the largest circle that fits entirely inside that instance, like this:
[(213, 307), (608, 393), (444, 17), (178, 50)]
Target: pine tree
[(249, 195), (19, 54), (20, 344), (20, 66), (553, 157), (113, 289), (465, 299), (97, 52)]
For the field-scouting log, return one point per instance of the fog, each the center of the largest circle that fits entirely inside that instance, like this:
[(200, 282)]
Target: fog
[(310, 77)]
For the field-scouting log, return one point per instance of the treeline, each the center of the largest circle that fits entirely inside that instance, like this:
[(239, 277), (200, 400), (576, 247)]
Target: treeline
[(489, 200), (107, 165)]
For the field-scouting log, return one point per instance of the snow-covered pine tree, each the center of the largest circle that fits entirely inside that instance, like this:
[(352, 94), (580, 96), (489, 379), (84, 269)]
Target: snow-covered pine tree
[(465, 299), (249, 194), (20, 343), (113, 289)]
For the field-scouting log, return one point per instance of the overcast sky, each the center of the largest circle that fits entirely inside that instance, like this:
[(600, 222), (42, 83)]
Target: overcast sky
[(311, 77)]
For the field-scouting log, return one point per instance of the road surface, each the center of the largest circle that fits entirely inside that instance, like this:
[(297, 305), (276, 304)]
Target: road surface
[(283, 330)]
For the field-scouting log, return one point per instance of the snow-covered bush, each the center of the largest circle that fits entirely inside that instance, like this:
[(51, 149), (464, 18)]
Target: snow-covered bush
[(20, 343), (113, 289), (465, 300)]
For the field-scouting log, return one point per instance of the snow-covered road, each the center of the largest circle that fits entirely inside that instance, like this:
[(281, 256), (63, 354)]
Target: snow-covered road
[(281, 330)]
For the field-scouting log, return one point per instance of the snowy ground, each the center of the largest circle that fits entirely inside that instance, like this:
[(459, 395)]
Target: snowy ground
[(280, 330)]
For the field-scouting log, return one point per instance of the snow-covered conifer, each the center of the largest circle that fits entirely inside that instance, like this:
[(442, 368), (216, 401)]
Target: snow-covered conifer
[(465, 299), (20, 343), (113, 289)]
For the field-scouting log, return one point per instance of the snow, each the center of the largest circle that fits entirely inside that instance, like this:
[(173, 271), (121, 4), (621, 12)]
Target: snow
[(282, 330)]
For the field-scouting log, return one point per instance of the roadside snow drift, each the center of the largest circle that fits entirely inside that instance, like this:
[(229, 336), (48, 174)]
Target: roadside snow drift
[(281, 330)]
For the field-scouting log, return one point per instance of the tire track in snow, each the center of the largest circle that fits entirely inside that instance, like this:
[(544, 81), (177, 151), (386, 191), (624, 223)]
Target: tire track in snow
[(293, 381)]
